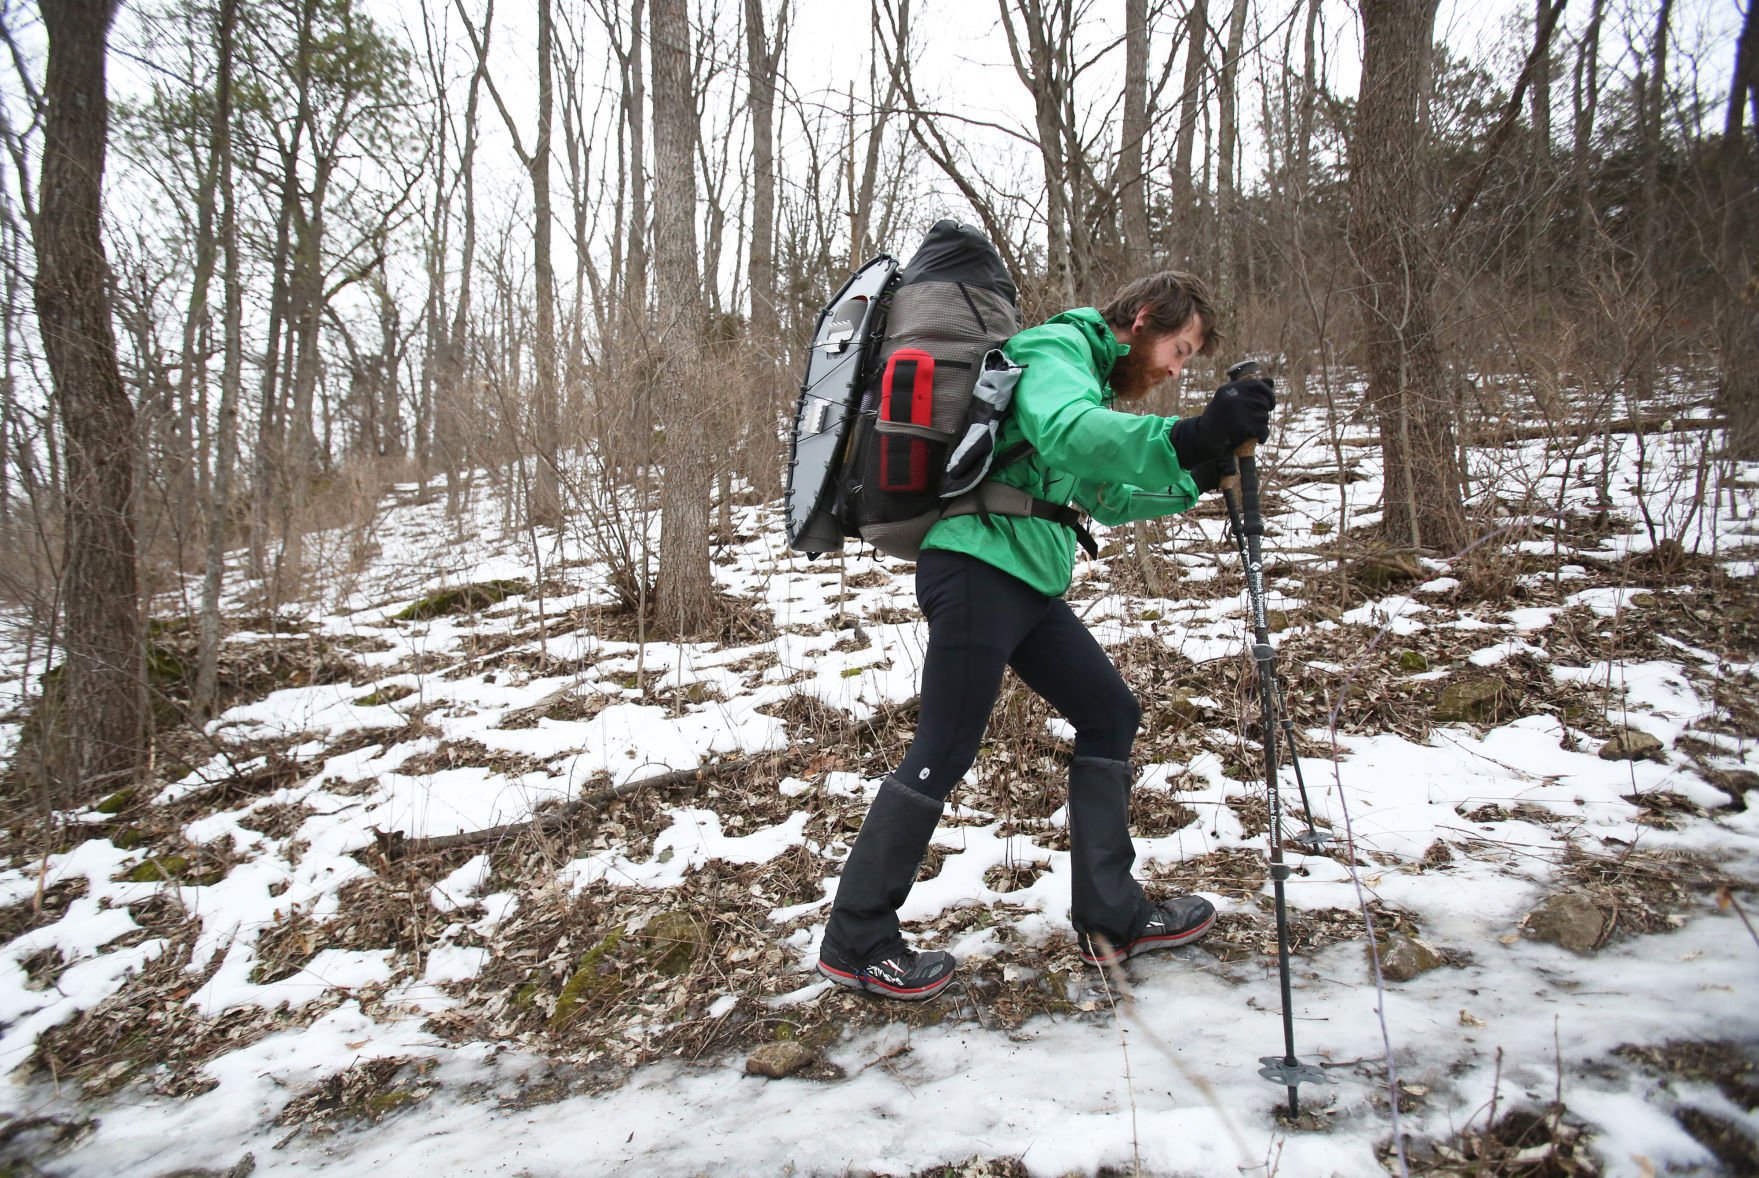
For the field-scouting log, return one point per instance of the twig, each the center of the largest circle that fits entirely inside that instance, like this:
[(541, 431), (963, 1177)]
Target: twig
[(1726, 899), (1349, 861), (1495, 1093), (1124, 1047), (1557, 1102), (1115, 977), (894, 1053)]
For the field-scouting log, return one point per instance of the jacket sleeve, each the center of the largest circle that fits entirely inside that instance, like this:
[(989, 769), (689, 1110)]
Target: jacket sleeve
[(1059, 405), (1112, 456), (1119, 503)]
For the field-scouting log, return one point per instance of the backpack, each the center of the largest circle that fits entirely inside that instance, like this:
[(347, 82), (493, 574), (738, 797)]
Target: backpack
[(906, 387)]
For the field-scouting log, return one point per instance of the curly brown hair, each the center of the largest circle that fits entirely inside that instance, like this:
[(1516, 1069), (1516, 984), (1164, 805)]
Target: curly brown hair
[(1172, 298)]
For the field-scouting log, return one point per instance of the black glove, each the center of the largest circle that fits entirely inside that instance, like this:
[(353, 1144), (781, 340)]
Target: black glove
[(1208, 475), (1239, 412)]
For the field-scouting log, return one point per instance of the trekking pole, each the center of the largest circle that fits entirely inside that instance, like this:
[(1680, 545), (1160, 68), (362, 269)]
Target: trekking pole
[(1245, 514), (1312, 840)]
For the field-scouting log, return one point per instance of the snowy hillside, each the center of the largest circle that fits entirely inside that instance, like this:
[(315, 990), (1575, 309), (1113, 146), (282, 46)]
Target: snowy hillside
[(1537, 760)]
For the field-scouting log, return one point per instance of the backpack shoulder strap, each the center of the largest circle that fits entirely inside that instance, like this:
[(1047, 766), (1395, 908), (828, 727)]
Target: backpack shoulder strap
[(1012, 454)]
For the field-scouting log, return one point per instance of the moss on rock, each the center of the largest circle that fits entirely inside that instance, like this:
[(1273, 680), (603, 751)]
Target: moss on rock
[(674, 940), (591, 978), (463, 599)]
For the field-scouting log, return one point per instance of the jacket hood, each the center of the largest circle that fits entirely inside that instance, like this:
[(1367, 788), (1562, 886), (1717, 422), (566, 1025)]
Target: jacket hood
[(1100, 340)]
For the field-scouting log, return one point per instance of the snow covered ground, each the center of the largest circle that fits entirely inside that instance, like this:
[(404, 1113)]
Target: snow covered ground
[(252, 962)]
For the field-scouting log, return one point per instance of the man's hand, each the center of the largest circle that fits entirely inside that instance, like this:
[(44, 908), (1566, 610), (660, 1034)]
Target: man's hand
[(1207, 475), (1239, 412)]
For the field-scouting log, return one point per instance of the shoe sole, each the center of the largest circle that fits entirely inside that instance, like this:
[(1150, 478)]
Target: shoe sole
[(874, 986), (1149, 944)]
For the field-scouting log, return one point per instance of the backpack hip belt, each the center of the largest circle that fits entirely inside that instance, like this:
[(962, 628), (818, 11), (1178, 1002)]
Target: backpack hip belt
[(993, 498)]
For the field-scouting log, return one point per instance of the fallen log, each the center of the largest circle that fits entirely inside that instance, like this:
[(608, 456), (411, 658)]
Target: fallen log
[(1502, 435), (1652, 424)]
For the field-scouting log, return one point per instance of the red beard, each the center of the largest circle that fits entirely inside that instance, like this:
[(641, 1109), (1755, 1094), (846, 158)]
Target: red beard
[(1129, 378)]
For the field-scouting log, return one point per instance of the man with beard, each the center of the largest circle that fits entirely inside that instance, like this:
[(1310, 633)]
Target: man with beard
[(992, 590)]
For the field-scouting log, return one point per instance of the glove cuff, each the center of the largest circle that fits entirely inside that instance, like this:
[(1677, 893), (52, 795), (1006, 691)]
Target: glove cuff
[(1188, 444)]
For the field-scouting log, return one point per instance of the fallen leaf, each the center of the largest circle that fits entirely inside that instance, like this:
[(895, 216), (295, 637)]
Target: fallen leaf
[(1467, 1020)]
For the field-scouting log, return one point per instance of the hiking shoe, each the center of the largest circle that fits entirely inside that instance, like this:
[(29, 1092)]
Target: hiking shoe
[(899, 972), (1172, 922)]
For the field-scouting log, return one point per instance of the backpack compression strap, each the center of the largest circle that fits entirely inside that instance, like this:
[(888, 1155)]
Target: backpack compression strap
[(993, 498)]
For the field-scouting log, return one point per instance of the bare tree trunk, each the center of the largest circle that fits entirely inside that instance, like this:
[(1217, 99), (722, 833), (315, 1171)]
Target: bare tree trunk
[(546, 507), (1132, 189), (1228, 143), (1738, 391), (270, 457), (685, 592), (300, 460), (714, 175), (1586, 97), (864, 232), (1043, 66), (1131, 181), (455, 395), (1302, 156), (1541, 94), (231, 378), (1295, 278), (437, 247), (101, 704), (10, 427), (1190, 110), (1652, 106), (192, 373), (389, 440), (763, 56), (1391, 218), (1644, 369), (636, 276)]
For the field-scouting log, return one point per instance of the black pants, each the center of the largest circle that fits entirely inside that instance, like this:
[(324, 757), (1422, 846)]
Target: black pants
[(981, 620)]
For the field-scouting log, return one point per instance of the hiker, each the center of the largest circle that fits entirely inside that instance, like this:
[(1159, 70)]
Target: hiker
[(991, 589)]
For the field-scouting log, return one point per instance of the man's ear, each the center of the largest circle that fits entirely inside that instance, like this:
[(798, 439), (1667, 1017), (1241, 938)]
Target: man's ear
[(1141, 321)]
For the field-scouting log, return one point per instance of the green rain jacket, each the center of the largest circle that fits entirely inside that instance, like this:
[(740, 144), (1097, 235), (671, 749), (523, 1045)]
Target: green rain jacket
[(1083, 452)]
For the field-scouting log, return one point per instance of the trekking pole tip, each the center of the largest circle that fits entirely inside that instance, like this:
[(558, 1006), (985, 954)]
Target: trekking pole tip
[(1314, 841), (1289, 1073)]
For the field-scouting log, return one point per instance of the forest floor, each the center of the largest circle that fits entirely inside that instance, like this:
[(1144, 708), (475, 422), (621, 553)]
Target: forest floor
[(1536, 762)]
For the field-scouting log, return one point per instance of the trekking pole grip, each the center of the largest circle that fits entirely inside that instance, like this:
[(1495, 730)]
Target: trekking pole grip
[(1247, 465), (1230, 480)]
